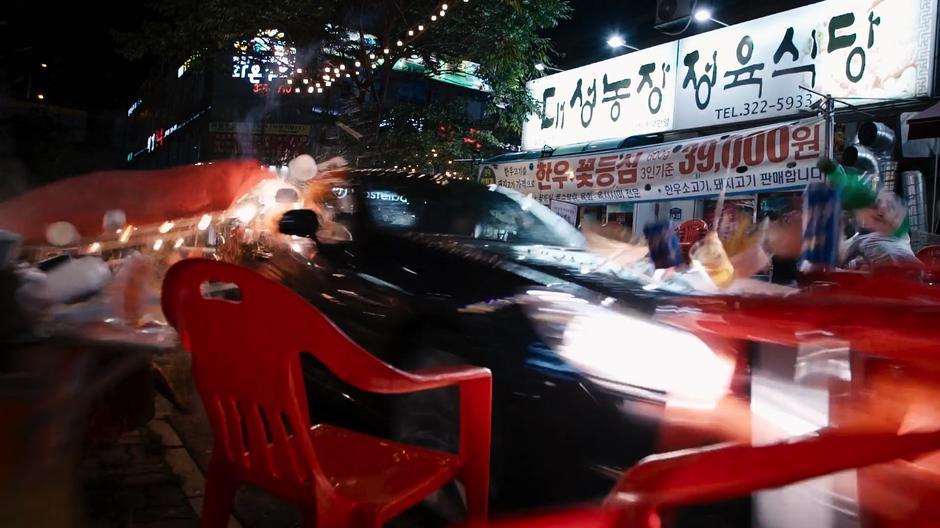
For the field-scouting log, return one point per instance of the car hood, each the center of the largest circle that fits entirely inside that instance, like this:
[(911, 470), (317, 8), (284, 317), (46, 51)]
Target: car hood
[(581, 271)]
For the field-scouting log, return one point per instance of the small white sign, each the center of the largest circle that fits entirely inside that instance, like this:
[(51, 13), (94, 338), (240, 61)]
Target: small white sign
[(566, 210)]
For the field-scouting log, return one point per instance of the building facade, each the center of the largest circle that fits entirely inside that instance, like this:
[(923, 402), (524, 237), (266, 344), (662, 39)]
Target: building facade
[(257, 101)]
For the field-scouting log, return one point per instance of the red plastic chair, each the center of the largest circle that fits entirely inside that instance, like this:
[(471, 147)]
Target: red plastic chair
[(727, 471), (247, 369), (690, 232), (930, 256)]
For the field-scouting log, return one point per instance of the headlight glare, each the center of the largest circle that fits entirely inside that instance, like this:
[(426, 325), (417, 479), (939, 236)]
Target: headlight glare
[(628, 353)]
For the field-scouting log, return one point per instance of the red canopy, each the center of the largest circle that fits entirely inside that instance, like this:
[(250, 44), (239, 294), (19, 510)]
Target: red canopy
[(146, 197)]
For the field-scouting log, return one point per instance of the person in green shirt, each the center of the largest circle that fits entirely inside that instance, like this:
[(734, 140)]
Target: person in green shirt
[(883, 238)]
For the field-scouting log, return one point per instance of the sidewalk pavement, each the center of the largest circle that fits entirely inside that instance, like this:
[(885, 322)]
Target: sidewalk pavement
[(147, 480), (130, 484)]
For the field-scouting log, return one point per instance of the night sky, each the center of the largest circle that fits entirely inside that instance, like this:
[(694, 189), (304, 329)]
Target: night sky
[(86, 71), (582, 39), (74, 39)]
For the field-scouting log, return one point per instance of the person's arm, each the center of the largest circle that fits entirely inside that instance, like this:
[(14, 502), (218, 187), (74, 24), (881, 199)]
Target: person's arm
[(850, 249)]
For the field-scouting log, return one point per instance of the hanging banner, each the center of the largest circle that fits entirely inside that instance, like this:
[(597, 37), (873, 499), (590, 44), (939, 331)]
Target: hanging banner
[(271, 143), (625, 96), (285, 129), (755, 160), (862, 50)]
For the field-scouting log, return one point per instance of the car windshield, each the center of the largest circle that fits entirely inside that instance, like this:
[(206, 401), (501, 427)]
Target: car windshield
[(490, 213)]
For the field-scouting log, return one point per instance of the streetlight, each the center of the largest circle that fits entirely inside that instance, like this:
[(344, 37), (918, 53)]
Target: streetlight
[(40, 96), (616, 41), (44, 65), (704, 15), (542, 67)]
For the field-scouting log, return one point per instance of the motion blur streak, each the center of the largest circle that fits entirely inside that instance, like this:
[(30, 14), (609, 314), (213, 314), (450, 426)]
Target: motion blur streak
[(893, 398)]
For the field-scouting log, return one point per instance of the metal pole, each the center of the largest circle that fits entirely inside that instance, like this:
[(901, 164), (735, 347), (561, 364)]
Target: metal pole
[(830, 127)]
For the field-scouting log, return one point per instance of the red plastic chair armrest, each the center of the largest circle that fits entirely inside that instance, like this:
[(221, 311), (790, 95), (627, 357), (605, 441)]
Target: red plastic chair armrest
[(476, 398), (438, 377), (728, 471), (725, 472), (385, 379)]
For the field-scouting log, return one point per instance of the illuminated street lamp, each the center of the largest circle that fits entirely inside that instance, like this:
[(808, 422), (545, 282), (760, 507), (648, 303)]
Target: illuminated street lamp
[(40, 96), (704, 15), (542, 67), (616, 41)]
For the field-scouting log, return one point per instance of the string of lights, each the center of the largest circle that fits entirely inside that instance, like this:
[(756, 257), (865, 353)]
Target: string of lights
[(336, 70)]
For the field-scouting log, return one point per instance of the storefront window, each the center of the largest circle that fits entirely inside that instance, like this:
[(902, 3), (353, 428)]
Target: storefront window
[(620, 214)]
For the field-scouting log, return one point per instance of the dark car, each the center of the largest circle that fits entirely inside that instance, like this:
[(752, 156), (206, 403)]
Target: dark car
[(427, 270)]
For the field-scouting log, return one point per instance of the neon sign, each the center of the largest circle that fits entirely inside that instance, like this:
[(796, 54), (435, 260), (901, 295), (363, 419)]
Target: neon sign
[(186, 66), (264, 58), (263, 88), (155, 140)]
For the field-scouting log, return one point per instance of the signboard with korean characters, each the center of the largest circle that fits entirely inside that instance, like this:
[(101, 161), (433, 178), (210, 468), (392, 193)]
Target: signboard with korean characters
[(772, 157), (861, 50), (619, 97)]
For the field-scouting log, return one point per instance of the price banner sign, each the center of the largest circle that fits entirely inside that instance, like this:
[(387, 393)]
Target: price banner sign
[(760, 159)]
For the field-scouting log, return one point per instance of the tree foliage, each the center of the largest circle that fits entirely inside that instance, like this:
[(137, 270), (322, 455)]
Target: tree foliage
[(503, 36)]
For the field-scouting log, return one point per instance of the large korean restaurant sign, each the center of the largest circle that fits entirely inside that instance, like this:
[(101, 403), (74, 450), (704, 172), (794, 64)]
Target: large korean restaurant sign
[(766, 158), (863, 49)]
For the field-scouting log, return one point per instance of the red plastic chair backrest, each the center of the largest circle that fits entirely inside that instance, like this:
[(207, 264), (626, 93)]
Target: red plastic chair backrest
[(246, 365), (691, 231)]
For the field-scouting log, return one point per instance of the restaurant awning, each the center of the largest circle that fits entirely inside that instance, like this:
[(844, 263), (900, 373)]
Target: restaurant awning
[(926, 124)]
